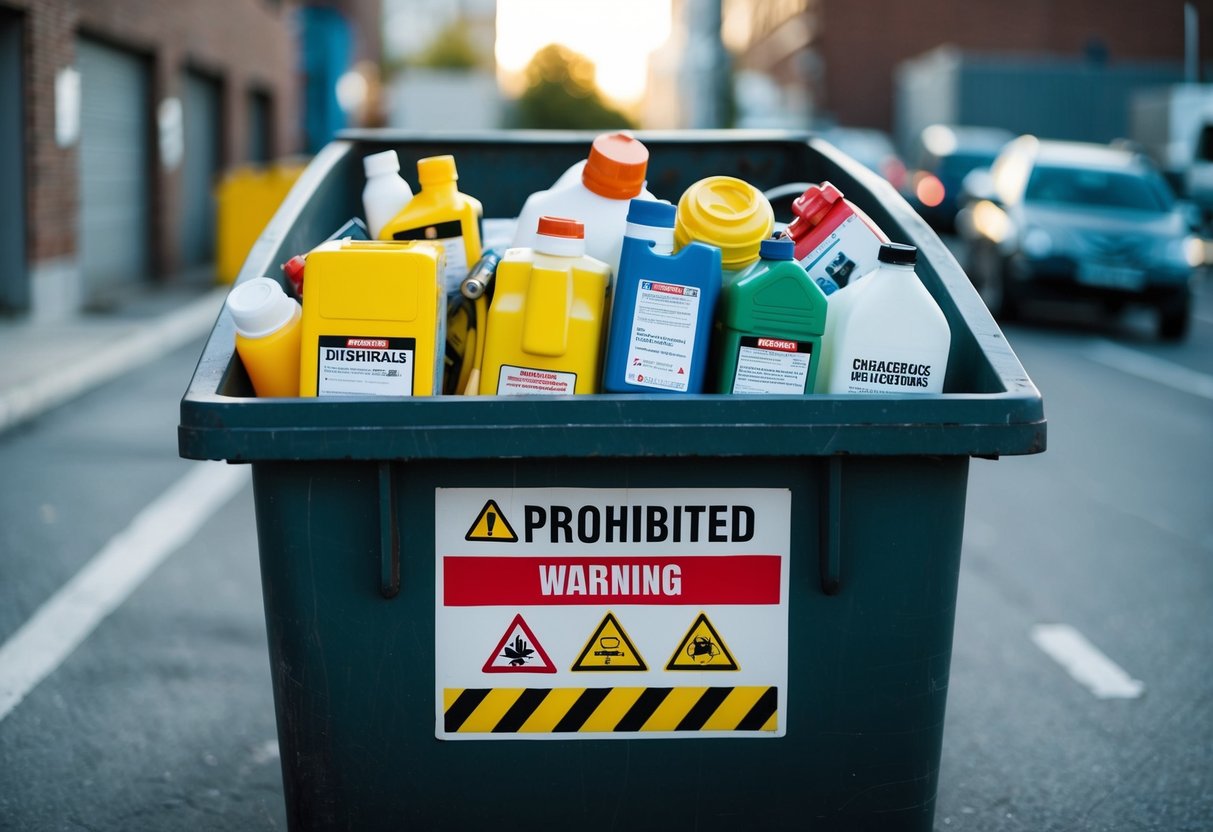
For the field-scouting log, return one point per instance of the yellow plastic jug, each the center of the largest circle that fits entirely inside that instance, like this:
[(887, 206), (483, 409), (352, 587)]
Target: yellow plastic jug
[(374, 320), (545, 328)]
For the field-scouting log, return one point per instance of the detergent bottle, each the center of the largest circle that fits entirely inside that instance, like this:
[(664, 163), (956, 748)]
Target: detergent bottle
[(385, 192), (661, 317), (374, 319), (612, 175), (891, 338), (727, 213), (834, 239), (545, 324), (441, 213), (267, 335), (772, 317)]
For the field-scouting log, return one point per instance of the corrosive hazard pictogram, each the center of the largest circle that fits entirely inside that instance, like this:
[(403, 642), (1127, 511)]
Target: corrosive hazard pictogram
[(702, 648), (491, 525), (609, 648), (519, 652)]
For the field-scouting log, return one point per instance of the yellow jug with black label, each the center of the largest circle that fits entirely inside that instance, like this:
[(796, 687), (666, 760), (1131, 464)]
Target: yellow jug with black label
[(545, 328), (374, 320)]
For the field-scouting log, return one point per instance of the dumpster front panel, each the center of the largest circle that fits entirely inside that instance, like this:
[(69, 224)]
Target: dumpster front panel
[(355, 641)]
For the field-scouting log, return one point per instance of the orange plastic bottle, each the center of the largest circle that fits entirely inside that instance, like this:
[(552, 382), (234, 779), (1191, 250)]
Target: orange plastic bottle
[(268, 328)]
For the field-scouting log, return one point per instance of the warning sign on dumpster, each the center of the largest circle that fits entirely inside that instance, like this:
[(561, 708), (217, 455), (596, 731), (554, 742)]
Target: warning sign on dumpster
[(569, 613)]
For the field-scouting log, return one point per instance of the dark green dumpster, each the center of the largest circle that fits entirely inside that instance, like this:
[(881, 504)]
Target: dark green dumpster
[(606, 612)]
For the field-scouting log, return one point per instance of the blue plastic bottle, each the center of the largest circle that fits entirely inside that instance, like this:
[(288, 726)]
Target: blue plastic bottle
[(664, 306)]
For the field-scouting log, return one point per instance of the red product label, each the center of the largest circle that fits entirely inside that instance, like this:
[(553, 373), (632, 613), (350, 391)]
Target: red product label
[(368, 343), (777, 344), (676, 579)]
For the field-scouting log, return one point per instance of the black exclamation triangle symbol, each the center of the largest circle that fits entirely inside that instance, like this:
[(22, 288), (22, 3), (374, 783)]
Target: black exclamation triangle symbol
[(491, 516)]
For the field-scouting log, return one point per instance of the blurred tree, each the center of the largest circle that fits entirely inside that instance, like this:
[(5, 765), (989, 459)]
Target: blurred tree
[(560, 94), (451, 48)]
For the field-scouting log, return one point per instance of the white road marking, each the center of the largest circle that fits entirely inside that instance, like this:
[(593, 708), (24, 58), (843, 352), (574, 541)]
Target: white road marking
[(1148, 367), (67, 618), (1085, 663)]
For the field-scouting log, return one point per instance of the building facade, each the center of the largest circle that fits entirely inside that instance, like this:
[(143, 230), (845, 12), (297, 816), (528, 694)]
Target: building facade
[(118, 118)]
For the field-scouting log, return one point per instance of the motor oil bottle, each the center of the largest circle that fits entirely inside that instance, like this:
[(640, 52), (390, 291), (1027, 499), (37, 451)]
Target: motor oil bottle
[(374, 319), (545, 324), (664, 305), (772, 317), (728, 213), (834, 239), (268, 329), (441, 213), (385, 193), (892, 338), (596, 194)]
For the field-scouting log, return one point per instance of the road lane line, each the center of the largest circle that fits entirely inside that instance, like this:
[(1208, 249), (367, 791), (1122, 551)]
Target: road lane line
[(1148, 367), (1085, 663), (67, 618)]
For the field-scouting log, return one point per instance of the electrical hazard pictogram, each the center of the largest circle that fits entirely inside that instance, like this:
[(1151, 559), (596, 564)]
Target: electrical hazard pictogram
[(491, 525), (519, 652), (702, 648), (609, 648)]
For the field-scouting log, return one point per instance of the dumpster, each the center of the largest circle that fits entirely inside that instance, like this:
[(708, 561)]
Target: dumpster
[(606, 611)]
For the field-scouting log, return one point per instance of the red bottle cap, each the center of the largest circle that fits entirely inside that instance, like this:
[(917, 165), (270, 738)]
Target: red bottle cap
[(561, 227), (293, 269), (811, 207)]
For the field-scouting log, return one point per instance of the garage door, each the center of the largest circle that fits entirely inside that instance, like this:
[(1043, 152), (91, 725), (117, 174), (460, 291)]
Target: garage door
[(115, 169), (201, 102), (14, 284)]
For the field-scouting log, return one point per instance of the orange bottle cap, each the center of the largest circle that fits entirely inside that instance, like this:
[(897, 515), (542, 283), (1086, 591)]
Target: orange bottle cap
[(561, 227), (616, 166)]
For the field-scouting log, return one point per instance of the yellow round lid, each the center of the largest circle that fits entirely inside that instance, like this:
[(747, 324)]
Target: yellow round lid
[(727, 213), (434, 170)]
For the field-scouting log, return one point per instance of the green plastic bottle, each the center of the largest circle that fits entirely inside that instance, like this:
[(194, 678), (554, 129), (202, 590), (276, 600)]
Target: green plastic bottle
[(770, 323)]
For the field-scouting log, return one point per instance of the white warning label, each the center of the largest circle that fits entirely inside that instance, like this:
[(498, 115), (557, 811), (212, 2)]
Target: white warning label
[(662, 341), (532, 381), (772, 365), (361, 366)]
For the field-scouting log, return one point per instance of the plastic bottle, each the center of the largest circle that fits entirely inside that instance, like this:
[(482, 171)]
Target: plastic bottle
[(374, 319), (612, 175), (727, 213), (834, 239), (441, 213), (385, 192), (267, 335), (772, 317), (664, 305), (545, 324), (892, 339)]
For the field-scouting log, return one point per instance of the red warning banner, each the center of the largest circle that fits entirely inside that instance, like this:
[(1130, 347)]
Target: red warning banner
[(681, 579)]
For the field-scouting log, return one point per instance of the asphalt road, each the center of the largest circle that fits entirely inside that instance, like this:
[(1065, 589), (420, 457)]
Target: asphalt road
[(1100, 550)]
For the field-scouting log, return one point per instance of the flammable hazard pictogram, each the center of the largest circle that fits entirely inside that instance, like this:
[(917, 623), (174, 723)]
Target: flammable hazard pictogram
[(491, 525), (519, 652), (609, 648), (702, 648)]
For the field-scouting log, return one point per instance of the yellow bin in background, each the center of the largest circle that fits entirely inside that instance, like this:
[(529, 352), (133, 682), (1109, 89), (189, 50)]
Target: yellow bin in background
[(246, 199)]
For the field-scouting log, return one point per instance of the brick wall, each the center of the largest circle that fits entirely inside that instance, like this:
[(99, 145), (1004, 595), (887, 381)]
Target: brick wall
[(247, 44)]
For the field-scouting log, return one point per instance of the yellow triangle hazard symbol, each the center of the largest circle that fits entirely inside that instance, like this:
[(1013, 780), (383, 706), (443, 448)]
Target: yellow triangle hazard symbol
[(702, 648), (609, 648), (491, 525)]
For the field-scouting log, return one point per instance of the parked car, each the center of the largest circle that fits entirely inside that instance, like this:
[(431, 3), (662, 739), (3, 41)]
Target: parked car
[(1075, 220), (941, 157)]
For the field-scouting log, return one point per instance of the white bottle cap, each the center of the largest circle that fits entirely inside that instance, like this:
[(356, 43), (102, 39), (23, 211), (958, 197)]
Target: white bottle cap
[(560, 236), (380, 163), (260, 307)]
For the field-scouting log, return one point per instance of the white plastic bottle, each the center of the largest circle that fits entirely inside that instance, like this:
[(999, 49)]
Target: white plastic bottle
[(891, 337), (385, 192), (613, 175)]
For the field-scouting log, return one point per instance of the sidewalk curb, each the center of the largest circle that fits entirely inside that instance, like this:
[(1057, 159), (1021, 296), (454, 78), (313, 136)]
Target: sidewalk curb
[(168, 332)]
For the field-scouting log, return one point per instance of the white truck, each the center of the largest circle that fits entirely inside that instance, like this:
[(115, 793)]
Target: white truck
[(1174, 124)]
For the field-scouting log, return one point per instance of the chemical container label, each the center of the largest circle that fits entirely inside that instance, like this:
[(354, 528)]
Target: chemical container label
[(365, 366), (571, 613), (531, 381), (772, 365), (662, 340), (849, 252)]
